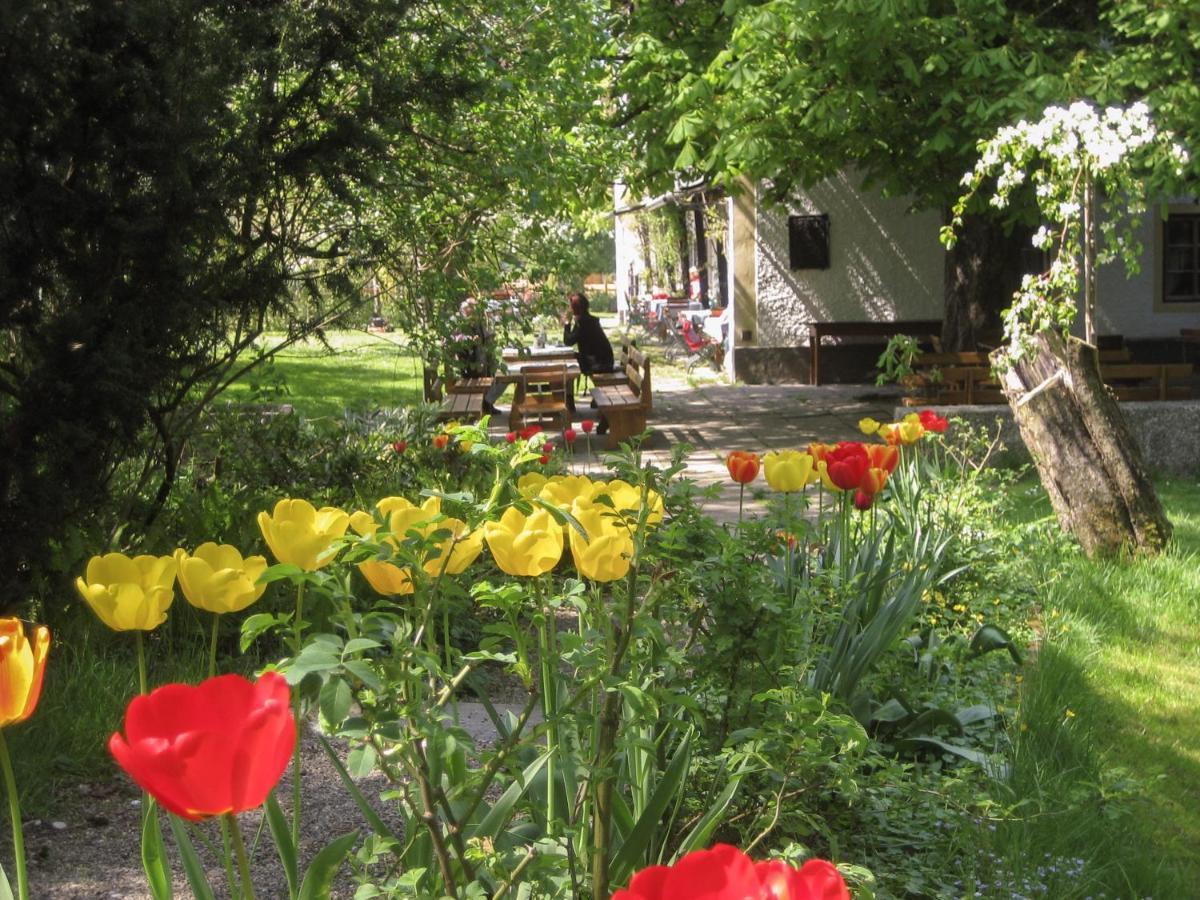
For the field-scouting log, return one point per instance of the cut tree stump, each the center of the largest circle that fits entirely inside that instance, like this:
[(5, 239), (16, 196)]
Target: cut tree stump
[(1085, 453)]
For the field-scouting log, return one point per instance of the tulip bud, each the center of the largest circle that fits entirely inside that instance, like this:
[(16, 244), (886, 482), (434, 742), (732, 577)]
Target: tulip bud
[(743, 466), (511, 437), (569, 435), (400, 446), (587, 425), (862, 500), (441, 440)]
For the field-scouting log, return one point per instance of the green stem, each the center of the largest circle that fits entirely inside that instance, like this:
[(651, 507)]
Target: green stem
[(297, 640), (227, 857), (14, 812), (212, 646), (239, 846), (741, 499), (141, 659), (549, 702)]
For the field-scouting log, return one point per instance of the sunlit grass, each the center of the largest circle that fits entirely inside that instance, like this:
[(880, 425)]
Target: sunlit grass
[(1107, 763), (355, 371)]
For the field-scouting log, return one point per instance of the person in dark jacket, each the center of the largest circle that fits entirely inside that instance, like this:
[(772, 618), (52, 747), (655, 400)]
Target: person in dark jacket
[(580, 327)]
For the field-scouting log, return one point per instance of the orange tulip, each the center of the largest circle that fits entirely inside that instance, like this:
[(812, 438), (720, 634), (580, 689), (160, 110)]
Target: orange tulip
[(743, 466), (883, 456), (872, 483), (22, 665)]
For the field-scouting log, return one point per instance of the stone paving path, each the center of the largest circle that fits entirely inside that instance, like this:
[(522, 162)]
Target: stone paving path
[(717, 418)]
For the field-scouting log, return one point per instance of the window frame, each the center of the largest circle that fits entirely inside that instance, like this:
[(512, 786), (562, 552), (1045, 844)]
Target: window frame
[(1177, 210)]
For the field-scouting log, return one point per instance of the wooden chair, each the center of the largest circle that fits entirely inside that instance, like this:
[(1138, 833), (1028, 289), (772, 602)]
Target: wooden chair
[(541, 396)]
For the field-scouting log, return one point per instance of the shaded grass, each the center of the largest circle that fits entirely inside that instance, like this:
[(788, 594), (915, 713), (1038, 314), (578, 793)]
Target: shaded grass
[(356, 371), (1106, 764)]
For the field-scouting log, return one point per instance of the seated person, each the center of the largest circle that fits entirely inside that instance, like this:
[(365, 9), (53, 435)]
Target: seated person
[(595, 353), (475, 353)]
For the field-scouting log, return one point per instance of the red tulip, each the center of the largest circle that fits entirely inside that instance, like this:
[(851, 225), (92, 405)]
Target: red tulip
[(400, 446), (932, 421), (743, 466), (440, 441), (587, 425), (863, 500), (883, 456), (848, 463), (209, 749), (569, 435), (511, 437), (726, 873), (544, 458), (530, 431)]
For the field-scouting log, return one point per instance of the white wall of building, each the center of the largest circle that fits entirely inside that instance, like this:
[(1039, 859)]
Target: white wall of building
[(885, 263)]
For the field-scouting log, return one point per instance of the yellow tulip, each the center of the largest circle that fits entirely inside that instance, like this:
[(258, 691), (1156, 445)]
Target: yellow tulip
[(605, 553), (789, 470), (868, 425), (299, 534), (525, 545), (530, 484), (462, 544), (22, 664), (216, 578), (910, 432), (627, 500), (561, 490), (129, 594)]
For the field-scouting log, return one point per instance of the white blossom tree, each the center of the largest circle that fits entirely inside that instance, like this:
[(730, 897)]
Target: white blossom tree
[(1090, 172)]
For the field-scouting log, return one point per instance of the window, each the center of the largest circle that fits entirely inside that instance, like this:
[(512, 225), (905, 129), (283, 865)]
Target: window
[(1181, 259), (808, 242)]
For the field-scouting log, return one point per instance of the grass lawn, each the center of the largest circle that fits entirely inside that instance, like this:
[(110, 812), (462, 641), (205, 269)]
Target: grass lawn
[(356, 371), (1107, 763)]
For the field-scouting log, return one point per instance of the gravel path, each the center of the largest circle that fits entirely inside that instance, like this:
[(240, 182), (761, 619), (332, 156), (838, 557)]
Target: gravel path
[(93, 851)]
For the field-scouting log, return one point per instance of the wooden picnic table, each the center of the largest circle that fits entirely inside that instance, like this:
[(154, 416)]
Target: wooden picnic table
[(549, 353)]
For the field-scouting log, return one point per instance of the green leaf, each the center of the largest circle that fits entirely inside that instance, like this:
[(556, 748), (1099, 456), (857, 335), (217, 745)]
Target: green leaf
[(992, 637), (255, 626), (197, 880), (316, 657), (699, 836), (318, 879), (357, 645), (6, 891), (493, 823), (154, 857), (377, 824), (361, 761), (335, 701), (362, 670), (281, 832), (633, 850)]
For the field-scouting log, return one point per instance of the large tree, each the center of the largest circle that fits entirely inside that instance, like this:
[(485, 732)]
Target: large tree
[(794, 90), (174, 175)]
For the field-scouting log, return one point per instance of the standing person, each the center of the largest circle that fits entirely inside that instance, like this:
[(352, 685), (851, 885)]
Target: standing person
[(580, 327), (476, 354)]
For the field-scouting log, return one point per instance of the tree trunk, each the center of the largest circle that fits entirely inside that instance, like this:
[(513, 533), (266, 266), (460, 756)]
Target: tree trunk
[(983, 271), (1085, 453)]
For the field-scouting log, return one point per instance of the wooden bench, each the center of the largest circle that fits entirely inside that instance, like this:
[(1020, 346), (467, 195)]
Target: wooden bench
[(618, 375), (1148, 381), (542, 396), (624, 405), (975, 384), (461, 401), (922, 329)]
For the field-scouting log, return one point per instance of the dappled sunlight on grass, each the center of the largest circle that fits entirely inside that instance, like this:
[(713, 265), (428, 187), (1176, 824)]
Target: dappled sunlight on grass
[(1121, 655), (355, 371)]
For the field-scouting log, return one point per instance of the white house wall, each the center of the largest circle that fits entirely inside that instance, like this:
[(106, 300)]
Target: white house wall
[(1126, 304), (885, 263)]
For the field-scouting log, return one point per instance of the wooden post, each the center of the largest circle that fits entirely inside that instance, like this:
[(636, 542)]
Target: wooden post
[(1085, 453), (1089, 258)]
